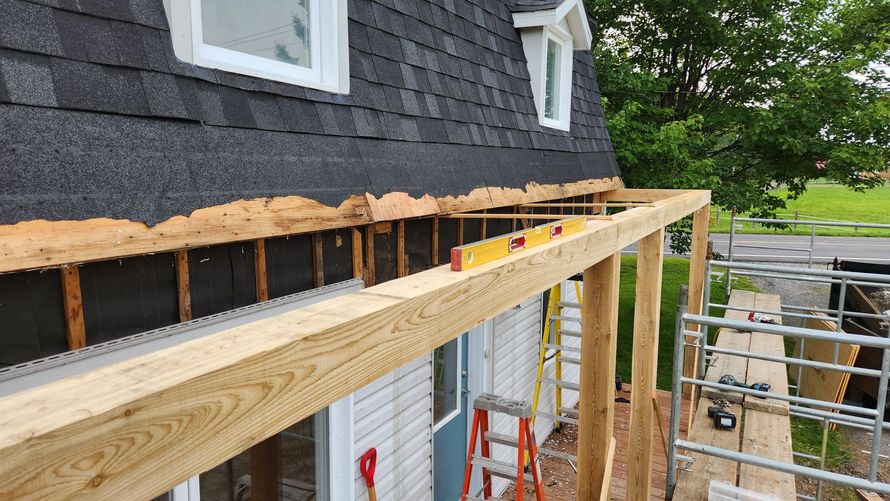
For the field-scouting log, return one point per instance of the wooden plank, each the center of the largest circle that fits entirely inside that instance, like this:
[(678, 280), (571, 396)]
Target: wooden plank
[(639, 195), (700, 221), (259, 260), (829, 386), (693, 485), (607, 474), (483, 217), (762, 371), (401, 261), (731, 339), (265, 469), (434, 249), (136, 428), (587, 204), (399, 205), (358, 265), (73, 302), (317, 260), (41, 244), (371, 277), (647, 311), (183, 289), (596, 406), (493, 196), (767, 435)]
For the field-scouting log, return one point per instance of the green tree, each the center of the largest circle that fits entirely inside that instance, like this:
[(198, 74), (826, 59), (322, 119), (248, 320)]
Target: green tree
[(738, 96)]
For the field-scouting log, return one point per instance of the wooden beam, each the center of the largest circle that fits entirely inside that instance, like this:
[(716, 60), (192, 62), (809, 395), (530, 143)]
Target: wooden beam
[(596, 407), (183, 288), (460, 232), (136, 428), (371, 277), (700, 221), (483, 217), (639, 195), (358, 266), (483, 226), (647, 310), (317, 260), (586, 205), (606, 492), (73, 302), (434, 250), (401, 262), (265, 469), (259, 266)]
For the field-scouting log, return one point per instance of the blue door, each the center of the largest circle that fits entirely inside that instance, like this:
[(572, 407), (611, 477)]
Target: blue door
[(450, 418)]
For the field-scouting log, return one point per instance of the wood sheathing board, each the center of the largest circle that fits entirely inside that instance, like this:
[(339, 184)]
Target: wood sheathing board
[(731, 339), (762, 371), (820, 384)]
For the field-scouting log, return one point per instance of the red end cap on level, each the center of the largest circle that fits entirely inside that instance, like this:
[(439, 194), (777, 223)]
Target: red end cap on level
[(456, 264)]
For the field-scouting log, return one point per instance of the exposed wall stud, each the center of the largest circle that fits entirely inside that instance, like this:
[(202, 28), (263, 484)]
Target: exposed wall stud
[(358, 266), (259, 259), (73, 302), (434, 251), (371, 277), (317, 260), (183, 288), (401, 258)]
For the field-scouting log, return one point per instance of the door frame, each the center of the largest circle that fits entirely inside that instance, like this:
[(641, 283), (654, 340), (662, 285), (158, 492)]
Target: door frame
[(480, 370)]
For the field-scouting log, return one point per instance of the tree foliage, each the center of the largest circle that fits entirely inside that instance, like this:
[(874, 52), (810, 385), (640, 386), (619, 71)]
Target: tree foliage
[(738, 96)]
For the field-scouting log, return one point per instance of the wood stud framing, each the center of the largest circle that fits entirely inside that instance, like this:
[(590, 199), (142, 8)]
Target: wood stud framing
[(274, 372), (647, 312), (401, 257), (700, 221), (184, 293), (71, 298), (434, 250), (259, 260), (358, 265), (317, 260)]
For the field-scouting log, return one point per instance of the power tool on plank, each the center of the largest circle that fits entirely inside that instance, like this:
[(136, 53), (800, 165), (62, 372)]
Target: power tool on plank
[(729, 379)]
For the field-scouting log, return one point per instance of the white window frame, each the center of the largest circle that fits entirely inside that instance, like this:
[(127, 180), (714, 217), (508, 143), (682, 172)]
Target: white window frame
[(458, 394), (564, 92), (329, 47)]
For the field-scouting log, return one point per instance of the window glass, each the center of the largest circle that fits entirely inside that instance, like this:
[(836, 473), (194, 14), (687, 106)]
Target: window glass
[(445, 391), (302, 464), (551, 85), (279, 30)]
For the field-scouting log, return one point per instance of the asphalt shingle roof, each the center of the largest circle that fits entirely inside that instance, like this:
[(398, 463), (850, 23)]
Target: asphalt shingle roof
[(100, 119)]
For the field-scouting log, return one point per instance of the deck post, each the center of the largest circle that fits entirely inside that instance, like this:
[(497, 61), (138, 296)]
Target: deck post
[(700, 220), (650, 257), (599, 336)]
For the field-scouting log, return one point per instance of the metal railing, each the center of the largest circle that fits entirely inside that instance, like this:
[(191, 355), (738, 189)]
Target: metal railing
[(809, 251), (828, 413)]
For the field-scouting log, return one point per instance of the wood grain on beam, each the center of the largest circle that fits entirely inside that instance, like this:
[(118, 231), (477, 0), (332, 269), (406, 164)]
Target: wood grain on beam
[(136, 428), (358, 266), (259, 266), (73, 302), (647, 311), (700, 221), (317, 260), (184, 293), (596, 406)]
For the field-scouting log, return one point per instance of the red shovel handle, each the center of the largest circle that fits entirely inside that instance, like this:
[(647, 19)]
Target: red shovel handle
[(367, 465)]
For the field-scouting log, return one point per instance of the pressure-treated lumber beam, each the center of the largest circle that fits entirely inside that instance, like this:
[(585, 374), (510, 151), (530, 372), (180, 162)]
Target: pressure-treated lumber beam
[(639, 195), (596, 406), (587, 205), (135, 429), (72, 299), (700, 220), (647, 309)]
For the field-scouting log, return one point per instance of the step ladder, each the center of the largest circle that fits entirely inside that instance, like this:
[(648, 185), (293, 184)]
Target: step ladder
[(557, 328), (525, 442)]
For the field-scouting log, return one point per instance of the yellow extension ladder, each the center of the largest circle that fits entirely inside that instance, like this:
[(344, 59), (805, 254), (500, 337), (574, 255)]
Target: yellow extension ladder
[(552, 348)]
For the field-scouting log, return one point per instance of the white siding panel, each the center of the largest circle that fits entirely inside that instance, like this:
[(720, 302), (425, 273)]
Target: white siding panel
[(394, 415)]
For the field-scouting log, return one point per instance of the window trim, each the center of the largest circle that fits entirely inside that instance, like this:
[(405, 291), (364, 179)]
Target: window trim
[(329, 53), (564, 92), (458, 394)]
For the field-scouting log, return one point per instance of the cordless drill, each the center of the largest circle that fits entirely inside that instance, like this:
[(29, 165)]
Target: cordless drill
[(729, 379)]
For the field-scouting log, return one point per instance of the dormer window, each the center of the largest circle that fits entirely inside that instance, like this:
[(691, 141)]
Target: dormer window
[(301, 42), (551, 30)]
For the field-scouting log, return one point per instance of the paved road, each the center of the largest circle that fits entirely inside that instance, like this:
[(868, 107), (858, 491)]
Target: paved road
[(871, 249)]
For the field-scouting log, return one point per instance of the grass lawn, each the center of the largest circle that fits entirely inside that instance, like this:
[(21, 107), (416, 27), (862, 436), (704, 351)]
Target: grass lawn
[(825, 201)]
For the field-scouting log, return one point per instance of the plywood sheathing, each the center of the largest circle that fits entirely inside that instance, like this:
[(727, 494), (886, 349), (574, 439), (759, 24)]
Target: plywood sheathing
[(43, 244)]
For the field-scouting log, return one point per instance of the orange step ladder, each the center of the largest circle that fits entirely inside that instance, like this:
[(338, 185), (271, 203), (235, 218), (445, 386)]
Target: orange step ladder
[(522, 410)]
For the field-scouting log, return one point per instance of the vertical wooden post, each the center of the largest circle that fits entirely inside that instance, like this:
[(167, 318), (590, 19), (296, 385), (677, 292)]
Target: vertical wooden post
[(73, 302), (700, 220), (401, 261), (259, 262), (358, 267), (317, 260), (182, 282), (596, 407), (483, 226), (460, 232), (647, 312), (434, 251), (371, 279)]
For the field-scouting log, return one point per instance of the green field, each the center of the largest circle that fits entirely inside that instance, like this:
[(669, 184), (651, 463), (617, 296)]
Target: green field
[(826, 202)]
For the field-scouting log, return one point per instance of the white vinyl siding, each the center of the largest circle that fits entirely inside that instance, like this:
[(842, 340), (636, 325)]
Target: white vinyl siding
[(394, 414)]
